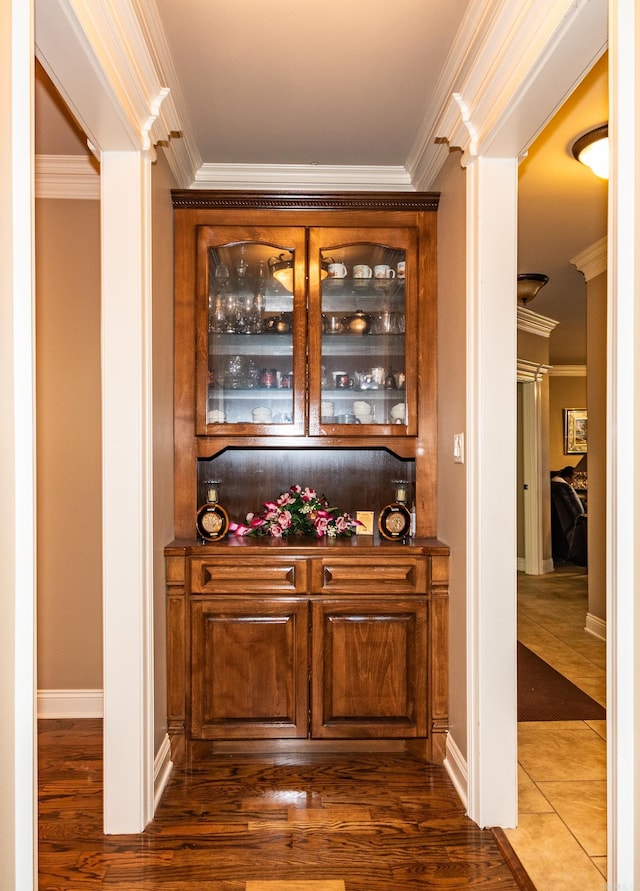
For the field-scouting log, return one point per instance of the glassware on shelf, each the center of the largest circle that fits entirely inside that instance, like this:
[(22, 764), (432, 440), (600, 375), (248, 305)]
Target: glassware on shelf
[(221, 279), (258, 304), (219, 287), (240, 373), (230, 312)]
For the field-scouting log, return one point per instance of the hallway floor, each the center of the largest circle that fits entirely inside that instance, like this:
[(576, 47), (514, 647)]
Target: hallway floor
[(314, 822), (561, 839)]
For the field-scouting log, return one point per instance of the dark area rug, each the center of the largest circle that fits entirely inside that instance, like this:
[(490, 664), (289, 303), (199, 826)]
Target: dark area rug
[(545, 695)]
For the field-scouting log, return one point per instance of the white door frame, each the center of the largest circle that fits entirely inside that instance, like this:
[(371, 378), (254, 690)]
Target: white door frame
[(18, 799), (623, 449)]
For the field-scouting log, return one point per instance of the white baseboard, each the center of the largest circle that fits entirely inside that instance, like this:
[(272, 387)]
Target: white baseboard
[(456, 766), (162, 767), (546, 566), (70, 704), (74, 704), (596, 626)]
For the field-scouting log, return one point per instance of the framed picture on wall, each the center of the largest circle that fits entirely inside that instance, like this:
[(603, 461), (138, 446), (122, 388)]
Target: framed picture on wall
[(575, 431)]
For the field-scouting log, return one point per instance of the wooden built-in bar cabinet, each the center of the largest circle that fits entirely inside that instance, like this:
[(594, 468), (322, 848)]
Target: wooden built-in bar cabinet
[(305, 353)]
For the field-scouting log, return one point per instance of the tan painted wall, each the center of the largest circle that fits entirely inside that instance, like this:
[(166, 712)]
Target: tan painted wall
[(533, 347), (452, 493), (68, 444), (564, 392), (69, 438)]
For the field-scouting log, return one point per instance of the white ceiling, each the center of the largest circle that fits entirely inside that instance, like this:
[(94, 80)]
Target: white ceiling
[(340, 82), (351, 85)]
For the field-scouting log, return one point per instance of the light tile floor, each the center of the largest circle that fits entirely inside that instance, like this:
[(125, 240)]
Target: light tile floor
[(561, 838)]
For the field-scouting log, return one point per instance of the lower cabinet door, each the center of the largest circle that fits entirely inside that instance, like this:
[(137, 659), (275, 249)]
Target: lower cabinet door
[(369, 668), (249, 669)]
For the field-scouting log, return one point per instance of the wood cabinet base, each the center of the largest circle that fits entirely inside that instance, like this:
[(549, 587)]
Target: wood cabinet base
[(312, 648), (196, 750)]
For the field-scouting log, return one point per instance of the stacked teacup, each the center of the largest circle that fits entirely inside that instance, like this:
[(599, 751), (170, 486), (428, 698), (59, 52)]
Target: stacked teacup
[(398, 413), (363, 411)]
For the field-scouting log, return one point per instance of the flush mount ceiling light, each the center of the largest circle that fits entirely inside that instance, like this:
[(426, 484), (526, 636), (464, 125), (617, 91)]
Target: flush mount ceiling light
[(282, 269), (592, 150), (529, 283)]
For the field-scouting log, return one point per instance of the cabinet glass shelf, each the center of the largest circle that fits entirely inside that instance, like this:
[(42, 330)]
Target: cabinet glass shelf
[(250, 345)]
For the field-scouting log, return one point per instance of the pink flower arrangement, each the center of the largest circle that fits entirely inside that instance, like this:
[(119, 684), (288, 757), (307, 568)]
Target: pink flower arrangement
[(298, 512)]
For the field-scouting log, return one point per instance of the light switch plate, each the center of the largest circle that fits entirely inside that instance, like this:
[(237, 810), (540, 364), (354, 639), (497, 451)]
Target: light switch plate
[(458, 448)]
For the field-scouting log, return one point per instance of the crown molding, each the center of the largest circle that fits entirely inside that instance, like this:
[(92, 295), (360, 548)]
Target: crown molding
[(533, 323), (500, 53), (67, 176), (568, 371), (429, 150), (122, 94), (302, 177), (182, 153), (122, 50), (593, 260), (531, 371)]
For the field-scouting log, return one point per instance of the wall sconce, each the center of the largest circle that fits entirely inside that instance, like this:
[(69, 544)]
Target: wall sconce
[(529, 283), (592, 150)]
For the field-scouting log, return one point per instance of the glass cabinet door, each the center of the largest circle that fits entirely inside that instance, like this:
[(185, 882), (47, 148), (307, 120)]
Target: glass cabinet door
[(362, 332), (251, 331)]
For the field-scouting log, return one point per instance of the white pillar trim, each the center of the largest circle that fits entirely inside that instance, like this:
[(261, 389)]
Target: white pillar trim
[(491, 522), (623, 451), (127, 491), (18, 761), (532, 477)]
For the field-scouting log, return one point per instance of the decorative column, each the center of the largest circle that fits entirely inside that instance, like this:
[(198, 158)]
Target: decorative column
[(592, 263)]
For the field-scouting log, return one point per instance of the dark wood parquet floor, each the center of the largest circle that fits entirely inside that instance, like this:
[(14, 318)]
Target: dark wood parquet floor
[(263, 823)]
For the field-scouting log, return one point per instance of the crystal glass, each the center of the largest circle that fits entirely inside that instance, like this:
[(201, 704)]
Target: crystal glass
[(250, 329)]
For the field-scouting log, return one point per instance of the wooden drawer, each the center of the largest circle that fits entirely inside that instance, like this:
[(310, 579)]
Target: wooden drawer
[(249, 575), (349, 575)]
